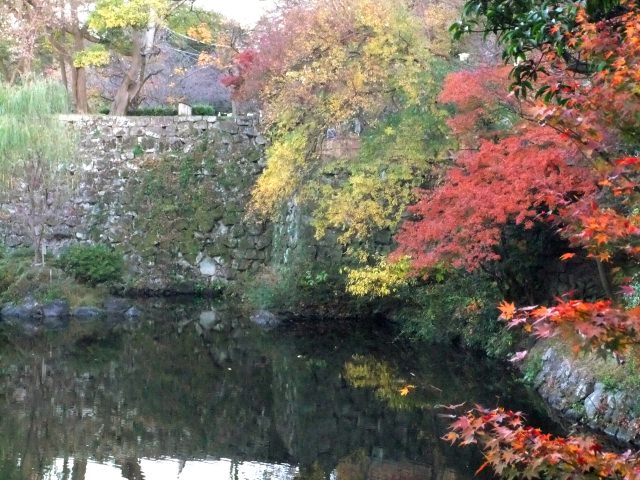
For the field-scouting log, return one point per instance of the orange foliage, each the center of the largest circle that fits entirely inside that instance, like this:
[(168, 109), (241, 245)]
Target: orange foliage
[(515, 450), (593, 325)]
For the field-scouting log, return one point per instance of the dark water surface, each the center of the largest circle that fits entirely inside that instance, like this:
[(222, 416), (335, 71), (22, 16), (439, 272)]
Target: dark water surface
[(161, 398)]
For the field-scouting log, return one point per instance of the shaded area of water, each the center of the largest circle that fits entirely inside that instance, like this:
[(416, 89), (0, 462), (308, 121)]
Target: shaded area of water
[(164, 399)]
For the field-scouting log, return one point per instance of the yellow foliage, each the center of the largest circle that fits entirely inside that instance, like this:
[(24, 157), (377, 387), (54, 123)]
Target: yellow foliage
[(365, 204), (115, 14), (201, 33), (379, 280), (206, 59), (278, 181), (354, 59), (438, 17), (368, 372), (96, 56), (341, 63)]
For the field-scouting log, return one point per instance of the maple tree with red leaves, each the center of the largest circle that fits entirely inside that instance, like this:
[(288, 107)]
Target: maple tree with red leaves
[(569, 161), (242, 62), (521, 175), (591, 325), (517, 179)]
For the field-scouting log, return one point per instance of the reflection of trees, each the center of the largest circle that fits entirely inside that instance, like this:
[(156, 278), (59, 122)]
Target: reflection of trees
[(79, 468), (148, 391)]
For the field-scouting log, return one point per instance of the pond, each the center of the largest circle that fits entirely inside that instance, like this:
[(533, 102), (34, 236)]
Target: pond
[(193, 392)]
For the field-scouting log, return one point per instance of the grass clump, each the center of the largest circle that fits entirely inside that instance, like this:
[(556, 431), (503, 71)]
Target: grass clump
[(532, 367), (20, 279)]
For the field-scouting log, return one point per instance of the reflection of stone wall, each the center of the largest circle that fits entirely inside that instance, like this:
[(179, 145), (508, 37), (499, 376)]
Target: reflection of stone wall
[(160, 389)]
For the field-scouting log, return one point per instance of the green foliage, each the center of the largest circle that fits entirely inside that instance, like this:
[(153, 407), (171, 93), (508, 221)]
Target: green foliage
[(312, 279), (185, 17), (293, 287), (613, 375), (201, 109), (20, 279), (12, 267), (272, 289), (632, 299), (165, 111), (34, 100), (162, 111), (137, 151), (532, 367), (92, 264), (459, 309)]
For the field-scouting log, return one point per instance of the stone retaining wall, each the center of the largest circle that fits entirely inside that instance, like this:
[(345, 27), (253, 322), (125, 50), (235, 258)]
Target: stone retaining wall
[(171, 193), (573, 387), (127, 193)]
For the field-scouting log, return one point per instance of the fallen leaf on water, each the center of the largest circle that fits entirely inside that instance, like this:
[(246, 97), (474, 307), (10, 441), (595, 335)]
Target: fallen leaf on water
[(404, 391)]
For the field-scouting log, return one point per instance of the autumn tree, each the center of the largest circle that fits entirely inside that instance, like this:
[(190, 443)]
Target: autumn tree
[(21, 26), (130, 28), (593, 104), (347, 90), (53, 30), (511, 171)]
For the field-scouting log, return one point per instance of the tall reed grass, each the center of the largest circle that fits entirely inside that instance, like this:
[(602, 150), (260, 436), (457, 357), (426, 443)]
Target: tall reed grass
[(29, 127)]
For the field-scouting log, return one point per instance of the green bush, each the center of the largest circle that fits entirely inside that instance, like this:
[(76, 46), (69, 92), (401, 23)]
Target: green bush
[(154, 112), (203, 110), (461, 308), (164, 111), (532, 367), (92, 264)]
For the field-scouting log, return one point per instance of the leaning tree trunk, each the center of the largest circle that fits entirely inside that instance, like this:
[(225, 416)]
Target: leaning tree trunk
[(80, 77), (78, 74), (79, 88), (134, 79), (63, 72)]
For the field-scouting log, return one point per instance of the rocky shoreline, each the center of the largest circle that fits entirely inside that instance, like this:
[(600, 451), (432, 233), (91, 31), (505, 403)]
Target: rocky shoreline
[(575, 388), (34, 312)]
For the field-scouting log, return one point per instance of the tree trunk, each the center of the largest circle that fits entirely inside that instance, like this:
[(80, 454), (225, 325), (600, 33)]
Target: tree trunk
[(79, 74), (129, 86), (131, 469), (80, 78), (79, 470), (604, 280), (134, 79), (80, 91), (63, 72)]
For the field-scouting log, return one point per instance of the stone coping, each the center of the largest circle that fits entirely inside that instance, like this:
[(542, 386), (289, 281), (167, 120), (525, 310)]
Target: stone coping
[(73, 117)]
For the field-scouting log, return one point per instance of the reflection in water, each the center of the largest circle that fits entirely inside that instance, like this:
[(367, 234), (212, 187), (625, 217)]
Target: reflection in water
[(172, 396), (172, 469)]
